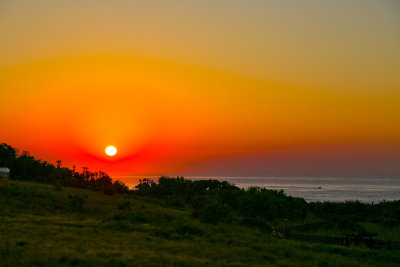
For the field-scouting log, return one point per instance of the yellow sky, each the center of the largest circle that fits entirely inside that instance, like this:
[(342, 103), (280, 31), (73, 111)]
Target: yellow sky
[(174, 84)]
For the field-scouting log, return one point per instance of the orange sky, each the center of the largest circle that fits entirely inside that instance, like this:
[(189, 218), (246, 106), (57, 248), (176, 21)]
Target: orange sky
[(234, 87)]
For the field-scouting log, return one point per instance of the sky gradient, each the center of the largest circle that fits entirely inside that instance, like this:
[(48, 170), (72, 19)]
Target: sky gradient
[(246, 88)]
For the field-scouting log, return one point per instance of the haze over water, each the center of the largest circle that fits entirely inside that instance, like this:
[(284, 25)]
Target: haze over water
[(311, 189)]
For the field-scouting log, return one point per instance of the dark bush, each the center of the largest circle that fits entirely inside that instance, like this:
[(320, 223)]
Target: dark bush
[(187, 229), (57, 185), (76, 202), (23, 166), (211, 211), (124, 205), (109, 191), (257, 221), (175, 201)]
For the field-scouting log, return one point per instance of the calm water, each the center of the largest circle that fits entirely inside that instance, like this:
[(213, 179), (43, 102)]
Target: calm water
[(314, 189)]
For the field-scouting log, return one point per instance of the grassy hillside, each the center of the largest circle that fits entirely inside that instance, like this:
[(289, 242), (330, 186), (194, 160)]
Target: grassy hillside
[(46, 225)]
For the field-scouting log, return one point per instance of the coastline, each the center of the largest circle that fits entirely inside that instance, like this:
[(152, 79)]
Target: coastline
[(312, 189)]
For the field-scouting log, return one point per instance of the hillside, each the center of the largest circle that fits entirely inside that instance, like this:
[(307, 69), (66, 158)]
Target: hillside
[(46, 225)]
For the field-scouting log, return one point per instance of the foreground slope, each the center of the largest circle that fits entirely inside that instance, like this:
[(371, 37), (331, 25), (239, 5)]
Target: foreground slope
[(45, 225)]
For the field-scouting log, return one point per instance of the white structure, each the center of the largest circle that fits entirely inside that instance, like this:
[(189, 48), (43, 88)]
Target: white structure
[(4, 172)]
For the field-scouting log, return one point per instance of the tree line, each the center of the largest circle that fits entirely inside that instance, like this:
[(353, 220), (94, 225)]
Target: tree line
[(25, 167), (210, 201), (213, 201)]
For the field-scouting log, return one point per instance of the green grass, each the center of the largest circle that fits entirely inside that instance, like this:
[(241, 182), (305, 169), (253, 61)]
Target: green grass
[(386, 233), (39, 226)]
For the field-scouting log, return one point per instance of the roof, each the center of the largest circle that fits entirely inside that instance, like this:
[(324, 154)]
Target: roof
[(4, 170)]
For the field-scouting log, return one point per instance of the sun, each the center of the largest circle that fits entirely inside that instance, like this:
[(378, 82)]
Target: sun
[(111, 151)]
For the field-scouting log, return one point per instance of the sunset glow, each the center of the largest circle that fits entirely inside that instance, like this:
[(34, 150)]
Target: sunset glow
[(216, 88)]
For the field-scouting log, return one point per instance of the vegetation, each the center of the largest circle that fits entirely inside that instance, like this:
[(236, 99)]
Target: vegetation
[(66, 218), (44, 227), (25, 167), (213, 201)]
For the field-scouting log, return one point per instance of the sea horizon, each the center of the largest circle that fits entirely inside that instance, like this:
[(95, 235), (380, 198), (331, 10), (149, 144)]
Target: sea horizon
[(312, 189)]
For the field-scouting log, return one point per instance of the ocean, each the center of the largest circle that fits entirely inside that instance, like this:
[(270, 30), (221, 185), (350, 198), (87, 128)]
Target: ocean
[(371, 190)]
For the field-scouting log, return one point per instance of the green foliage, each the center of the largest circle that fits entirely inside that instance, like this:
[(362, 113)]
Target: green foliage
[(76, 202), (57, 185), (133, 217), (213, 201), (32, 197), (27, 168), (175, 201), (210, 210), (383, 212), (257, 221), (177, 222), (124, 205), (38, 230), (187, 229)]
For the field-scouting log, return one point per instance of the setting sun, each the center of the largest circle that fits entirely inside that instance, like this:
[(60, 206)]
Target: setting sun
[(111, 151)]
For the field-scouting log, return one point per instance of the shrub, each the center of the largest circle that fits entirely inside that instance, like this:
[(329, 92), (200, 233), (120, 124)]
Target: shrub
[(256, 221), (175, 201), (57, 186), (124, 205), (109, 191), (211, 211), (76, 202)]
